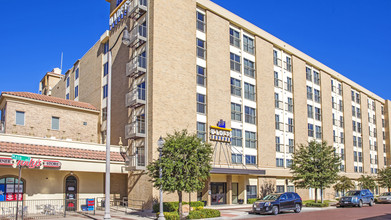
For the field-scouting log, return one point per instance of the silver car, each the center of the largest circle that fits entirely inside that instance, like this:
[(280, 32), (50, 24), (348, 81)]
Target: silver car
[(384, 198)]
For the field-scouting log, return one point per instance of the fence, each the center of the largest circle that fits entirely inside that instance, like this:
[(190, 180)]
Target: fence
[(46, 208)]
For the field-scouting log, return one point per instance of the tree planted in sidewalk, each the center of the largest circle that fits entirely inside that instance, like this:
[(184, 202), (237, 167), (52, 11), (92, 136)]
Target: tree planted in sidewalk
[(315, 165), (367, 182), (185, 163), (384, 178), (343, 184)]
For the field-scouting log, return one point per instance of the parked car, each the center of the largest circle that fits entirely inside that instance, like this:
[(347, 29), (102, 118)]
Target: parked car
[(384, 198), (277, 202), (357, 198)]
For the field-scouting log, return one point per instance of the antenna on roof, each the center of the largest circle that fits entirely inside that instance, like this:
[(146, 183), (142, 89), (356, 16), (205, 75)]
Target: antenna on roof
[(61, 60)]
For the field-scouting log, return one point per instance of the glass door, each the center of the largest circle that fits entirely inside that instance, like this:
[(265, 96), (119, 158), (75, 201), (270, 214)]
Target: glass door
[(218, 193), (234, 193)]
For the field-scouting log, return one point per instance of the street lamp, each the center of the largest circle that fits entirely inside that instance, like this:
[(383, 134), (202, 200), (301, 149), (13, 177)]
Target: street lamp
[(160, 144), (126, 41)]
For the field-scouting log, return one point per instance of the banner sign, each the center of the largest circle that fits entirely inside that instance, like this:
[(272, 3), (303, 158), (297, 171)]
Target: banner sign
[(6, 161), (51, 163), (31, 164), (220, 134)]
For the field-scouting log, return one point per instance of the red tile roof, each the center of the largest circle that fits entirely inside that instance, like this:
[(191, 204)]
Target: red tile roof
[(51, 99), (32, 149)]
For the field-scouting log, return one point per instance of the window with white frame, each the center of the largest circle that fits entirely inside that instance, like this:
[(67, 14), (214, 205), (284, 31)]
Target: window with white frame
[(249, 91), (251, 140), (235, 62), (234, 37), (236, 87), (201, 49), (200, 21), (19, 118), (55, 123), (237, 139), (249, 68), (236, 112), (201, 76), (248, 44), (249, 115), (201, 131), (201, 103)]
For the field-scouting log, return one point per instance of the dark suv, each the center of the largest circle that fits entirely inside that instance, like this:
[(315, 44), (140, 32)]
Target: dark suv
[(357, 198), (277, 202)]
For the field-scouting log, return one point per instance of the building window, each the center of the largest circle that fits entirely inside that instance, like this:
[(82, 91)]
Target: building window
[(277, 102), (309, 93), (355, 156), (201, 49), (200, 21), (251, 192), (288, 163), (359, 142), (308, 74), (67, 96), (55, 123), (249, 91), (358, 98), (353, 96), (249, 115), (235, 62), (342, 137), (249, 68), (310, 130), (277, 82), (251, 140), (317, 95), (318, 130), (77, 74), (76, 91), (290, 104), (280, 189), (288, 64), (105, 69), (236, 87), (290, 125), (353, 111), (19, 118), (355, 169), (234, 38), (105, 91), (291, 146), (236, 158), (67, 81), (310, 111), (104, 114), (288, 86), (277, 119), (106, 47), (9, 188), (290, 188), (276, 60), (201, 103), (236, 112), (236, 138), (278, 144), (358, 112), (248, 44), (201, 131), (251, 160), (316, 78), (279, 162), (360, 169), (201, 78), (359, 156), (318, 114)]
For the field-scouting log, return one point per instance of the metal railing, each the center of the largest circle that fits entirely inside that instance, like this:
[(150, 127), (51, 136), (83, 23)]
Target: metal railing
[(277, 61)]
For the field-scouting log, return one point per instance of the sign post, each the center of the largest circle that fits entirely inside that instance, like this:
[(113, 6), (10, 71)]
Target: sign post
[(21, 158)]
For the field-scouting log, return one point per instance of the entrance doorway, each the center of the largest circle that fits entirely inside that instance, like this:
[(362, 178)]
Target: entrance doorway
[(218, 193), (71, 193), (235, 193)]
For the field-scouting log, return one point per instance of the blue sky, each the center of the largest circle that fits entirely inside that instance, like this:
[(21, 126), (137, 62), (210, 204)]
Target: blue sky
[(351, 37)]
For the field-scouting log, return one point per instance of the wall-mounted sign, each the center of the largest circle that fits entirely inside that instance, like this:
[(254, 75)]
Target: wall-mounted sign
[(31, 163), (220, 134), (6, 161), (51, 163)]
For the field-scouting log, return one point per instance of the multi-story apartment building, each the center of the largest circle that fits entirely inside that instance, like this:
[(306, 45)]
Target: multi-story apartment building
[(191, 64)]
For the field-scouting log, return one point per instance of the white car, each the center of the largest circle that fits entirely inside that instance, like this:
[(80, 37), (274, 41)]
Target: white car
[(384, 198)]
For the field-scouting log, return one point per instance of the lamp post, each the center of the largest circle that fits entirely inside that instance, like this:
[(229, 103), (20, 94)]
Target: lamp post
[(160, 144), (126, 41)]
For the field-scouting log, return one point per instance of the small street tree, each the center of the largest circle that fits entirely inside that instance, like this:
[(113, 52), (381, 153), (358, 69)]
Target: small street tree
[(343, 184), (315, 166), (185, 163), (367, 182), (384, 178)]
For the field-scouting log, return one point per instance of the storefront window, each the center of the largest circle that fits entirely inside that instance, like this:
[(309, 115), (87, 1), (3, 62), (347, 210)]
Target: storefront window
[(9, 189), (251, 192)]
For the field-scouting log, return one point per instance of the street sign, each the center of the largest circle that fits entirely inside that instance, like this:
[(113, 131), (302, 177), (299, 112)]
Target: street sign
[(20, 157)]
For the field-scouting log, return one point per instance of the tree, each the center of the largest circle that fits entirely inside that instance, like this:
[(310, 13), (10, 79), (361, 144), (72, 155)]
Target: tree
[(367, 182), (384, 178), (185, 163), (315, 166), (344, 184)]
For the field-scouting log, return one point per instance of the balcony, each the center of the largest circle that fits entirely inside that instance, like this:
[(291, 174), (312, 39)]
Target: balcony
[(288, 66), (135, 98), (289, 107), (288, 87), (137, 8), (136, 160), (289, 128), (136, 67), (278, 104), (277, 83), (277, 61), (2, 127), (279, 126), (136, 129), (138, 36)]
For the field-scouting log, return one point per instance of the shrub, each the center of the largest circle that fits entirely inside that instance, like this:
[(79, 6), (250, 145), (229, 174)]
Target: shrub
[(169, 215), (195, 204), (198, 208), (313, 204), (251, 201), (204, 213), (167, 207)]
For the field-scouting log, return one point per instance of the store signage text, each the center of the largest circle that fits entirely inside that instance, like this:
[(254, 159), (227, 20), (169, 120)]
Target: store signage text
[(31, 164), (220, 134)]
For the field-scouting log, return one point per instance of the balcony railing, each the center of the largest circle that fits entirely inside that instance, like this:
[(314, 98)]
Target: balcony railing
[(277, 61), (136, 67), (2, 127), (289, 128), (278, 104), (135, 98), (277, 83), (136, 129), (288, 87), (288, 66), (136, 160), (279, 126), (138, 36), (289, 107)]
